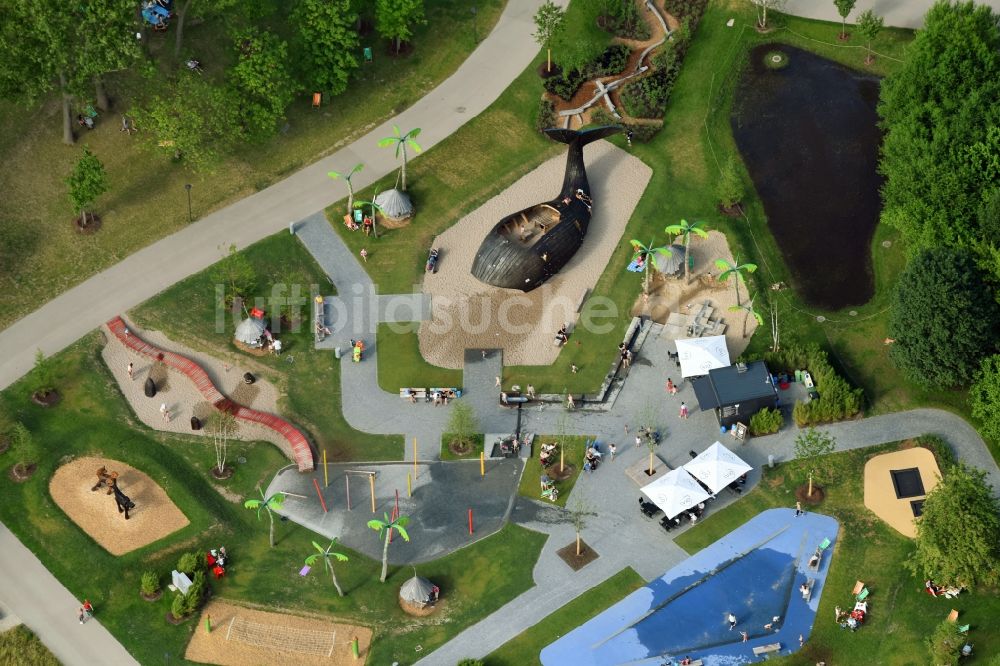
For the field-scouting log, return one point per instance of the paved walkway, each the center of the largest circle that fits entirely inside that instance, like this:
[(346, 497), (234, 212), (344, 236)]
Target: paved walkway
[(48, 609), (907, 14), (480, 80)]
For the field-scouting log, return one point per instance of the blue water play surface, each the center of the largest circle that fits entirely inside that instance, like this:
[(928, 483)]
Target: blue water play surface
[(754, 572)]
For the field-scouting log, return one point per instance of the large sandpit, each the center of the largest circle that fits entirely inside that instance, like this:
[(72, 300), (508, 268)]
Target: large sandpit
[(467, 314), (243, 636), (153, 517)]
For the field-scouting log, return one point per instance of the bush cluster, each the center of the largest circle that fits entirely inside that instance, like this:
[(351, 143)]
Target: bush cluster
[(837, 400), (766, 422), (622, 19), (612, 61), (686, 9), (546, 115)]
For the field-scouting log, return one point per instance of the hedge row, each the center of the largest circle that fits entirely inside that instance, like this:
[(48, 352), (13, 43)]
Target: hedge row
[(766, 422), (837, 400)]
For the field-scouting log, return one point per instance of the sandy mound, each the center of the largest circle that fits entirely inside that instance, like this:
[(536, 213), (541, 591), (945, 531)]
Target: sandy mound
[(670, 294), (153, 517), (467, 314), (259, 637)]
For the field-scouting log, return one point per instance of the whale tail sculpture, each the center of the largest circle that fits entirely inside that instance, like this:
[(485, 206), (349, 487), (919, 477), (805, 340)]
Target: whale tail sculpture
[(528, 247)]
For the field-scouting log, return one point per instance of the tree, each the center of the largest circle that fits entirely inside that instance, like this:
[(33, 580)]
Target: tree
[(869, 25), (350, 188), (734, 270), (88, 181), (262, 82), (198, 131), (810, 445), (401, 141), (23, 442), (933, 187), (844, 8), (548, 23), (384, 529), (223, 429), (945, 644), (648, 255), (941, 324), (149, 585), (958, 534), (762, 8), (729, 188), (748, 310), (268, 504), (327, 43), (579, 512), (104, 30), (685, 229), (984, 396), (42, 381), (236, 274), (328, 555), (462, 424), (209, 8), (395, 19)]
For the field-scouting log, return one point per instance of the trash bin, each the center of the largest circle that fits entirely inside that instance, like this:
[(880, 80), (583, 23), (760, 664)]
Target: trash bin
[(336, 352)]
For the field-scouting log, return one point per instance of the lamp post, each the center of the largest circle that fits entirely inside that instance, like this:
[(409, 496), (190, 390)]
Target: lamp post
[(188, 188), (475, 31)]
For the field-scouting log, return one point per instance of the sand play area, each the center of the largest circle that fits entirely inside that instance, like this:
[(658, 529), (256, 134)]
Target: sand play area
[(95, 512), (894, 480), (467, 314), (242, 636)]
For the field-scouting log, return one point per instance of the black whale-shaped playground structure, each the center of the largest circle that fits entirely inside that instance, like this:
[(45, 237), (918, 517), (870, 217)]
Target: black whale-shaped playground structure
[(528, 247)]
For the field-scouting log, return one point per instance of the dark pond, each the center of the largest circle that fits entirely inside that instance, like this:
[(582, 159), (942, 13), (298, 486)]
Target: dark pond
[(807, 133)]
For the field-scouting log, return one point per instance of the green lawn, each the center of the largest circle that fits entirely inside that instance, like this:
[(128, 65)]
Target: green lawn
[(477, 448), (93, 419), (525, 647), (186, 312), (401, 365), (867, 549), (574, 446), (20, 647), (44, 256)]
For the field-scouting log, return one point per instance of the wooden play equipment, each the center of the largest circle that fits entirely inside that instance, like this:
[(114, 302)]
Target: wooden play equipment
[(110, 480)]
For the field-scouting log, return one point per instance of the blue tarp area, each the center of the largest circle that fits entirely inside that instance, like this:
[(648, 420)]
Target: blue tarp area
[(754, 573)]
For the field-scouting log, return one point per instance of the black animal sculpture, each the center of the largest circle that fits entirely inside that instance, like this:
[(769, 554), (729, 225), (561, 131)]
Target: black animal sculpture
[(527, 248), (122, 500)]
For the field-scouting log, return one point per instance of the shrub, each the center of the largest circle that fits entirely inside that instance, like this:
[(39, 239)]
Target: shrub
[(645, 132), (647, 97), (686, 9), (178, 607), (150, 584), (729, 187), (766, 422), (622, 19), (837, 400), (611, 61), (188, 563), (195, 593), (546, 115), (945, 644)]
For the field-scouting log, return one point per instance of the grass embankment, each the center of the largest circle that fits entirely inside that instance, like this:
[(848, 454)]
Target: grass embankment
[(525, 647), (20, 647), (93, 419), (310, 379), (901, 614), (45, 256), (575, 447)]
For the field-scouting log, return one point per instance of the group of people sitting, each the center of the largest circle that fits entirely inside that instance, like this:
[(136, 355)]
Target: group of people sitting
[(216, 560), (936, 590), (548, 454), (592, 458), (156, 13), (562, 336), (367, 224)]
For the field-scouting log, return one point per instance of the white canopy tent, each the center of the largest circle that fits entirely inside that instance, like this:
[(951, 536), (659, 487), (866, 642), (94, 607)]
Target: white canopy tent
[(717, 467), (699, 355), (675, 492)]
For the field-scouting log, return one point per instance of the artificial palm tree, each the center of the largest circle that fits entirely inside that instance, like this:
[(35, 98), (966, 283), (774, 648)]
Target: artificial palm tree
[(269, 504), (350, 188), (375, 208), (401, 141), (385, 528), (737, 269), (685, 229), (328, 554), (646, 255), (749, 310)]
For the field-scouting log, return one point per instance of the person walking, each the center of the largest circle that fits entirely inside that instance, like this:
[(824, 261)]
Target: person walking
[(671, 388), (531, 392), (569, 401), (573, 368), (364, 254), (745, 636), (798, 509), (731, 619), (638, 441), (496, 384), (163, 411), (684, 411), (86, 611), (612, 449), (131, 371)]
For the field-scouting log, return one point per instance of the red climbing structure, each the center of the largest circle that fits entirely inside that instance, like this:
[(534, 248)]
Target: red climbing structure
[(299, 446)]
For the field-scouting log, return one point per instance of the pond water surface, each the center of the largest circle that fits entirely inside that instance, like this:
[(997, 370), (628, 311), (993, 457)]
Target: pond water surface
[(808, 135)]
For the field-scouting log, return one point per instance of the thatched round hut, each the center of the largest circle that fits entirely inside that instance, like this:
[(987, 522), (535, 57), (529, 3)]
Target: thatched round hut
[(418, 596), (395, 205), (250, 333)]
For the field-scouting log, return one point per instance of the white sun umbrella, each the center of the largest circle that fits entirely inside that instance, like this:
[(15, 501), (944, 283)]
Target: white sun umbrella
[(699, 355), (675, 492), (717, 467)]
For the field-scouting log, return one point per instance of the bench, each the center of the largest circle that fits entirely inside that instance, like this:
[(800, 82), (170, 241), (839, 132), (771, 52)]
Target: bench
[(418, 393), (766, 649)]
